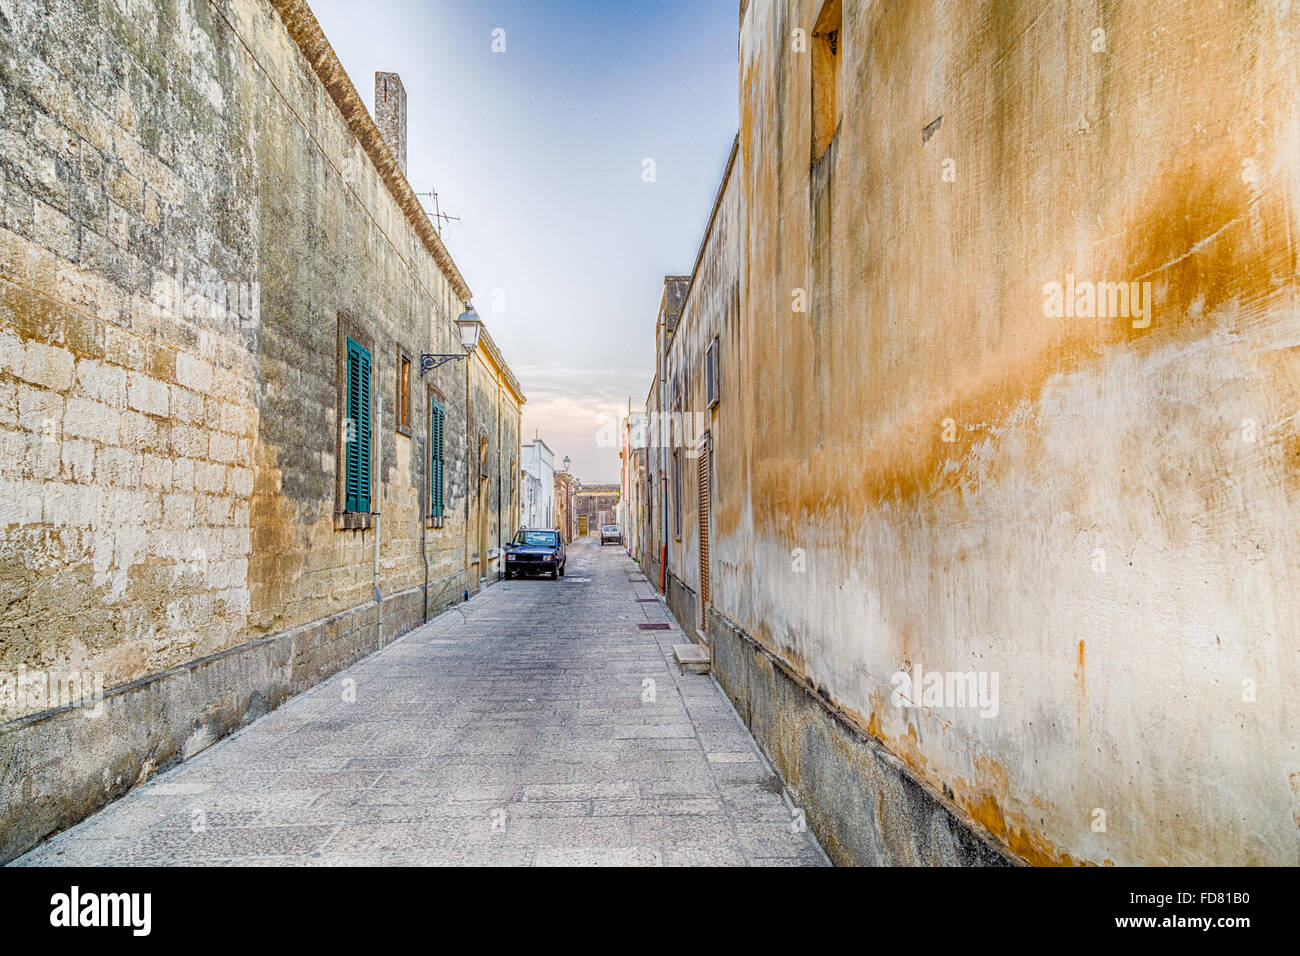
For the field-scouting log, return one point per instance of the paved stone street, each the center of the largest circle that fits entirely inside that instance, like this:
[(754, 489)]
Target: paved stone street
[(520, 728)]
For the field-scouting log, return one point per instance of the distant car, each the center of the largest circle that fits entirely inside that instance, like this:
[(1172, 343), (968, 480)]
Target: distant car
[(610, 532), (534, 551)]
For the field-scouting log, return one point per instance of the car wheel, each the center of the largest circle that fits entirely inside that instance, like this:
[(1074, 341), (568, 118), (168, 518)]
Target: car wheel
[(562, 570)]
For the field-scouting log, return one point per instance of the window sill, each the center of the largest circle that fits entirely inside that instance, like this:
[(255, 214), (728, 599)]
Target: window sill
[(353, 520), (435, 522)]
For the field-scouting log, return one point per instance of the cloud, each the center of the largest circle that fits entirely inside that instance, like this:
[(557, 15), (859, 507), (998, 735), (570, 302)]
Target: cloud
[(602, 386), (572, 410)]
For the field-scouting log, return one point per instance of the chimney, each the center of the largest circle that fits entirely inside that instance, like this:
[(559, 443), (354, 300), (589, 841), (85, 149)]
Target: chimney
[(390, 114)]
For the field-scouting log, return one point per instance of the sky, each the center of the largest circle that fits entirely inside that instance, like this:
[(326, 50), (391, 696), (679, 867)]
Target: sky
[(540, 149)]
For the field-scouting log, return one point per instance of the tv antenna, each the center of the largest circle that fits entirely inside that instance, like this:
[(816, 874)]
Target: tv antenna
[(439, 217)]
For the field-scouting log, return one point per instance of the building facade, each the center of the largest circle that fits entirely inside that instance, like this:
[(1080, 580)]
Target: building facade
[(566, 504), (539, 481), (596, 505), (659, 436), (224, 476), (631, 505), (698, 313), (963, 533)]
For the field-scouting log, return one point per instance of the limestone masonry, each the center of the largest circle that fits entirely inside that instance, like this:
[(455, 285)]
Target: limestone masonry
[(202, 228)]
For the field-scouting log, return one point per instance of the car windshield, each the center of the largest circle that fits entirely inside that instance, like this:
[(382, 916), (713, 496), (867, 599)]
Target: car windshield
[(536, 539)]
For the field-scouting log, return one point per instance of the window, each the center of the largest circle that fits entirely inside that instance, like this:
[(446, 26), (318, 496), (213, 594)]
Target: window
[(536, 539), (826, 46), (356, 493), (711, 373), (677, 495), (437, 420), (403, 392)]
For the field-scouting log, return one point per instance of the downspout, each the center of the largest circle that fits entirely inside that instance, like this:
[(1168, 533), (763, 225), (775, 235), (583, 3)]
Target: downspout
[(424, 553), (501, 558), (663, 461), (624, 505), (468, 359), (379, 491)]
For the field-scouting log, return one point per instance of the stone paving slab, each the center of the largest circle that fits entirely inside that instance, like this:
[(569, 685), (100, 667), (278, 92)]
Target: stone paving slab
[(537, 724)]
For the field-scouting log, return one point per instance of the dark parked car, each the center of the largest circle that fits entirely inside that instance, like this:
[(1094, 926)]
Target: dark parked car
[(610, 532), (533, 551)]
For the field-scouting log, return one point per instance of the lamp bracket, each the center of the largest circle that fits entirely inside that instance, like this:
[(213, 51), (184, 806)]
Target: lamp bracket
[(428, 362)]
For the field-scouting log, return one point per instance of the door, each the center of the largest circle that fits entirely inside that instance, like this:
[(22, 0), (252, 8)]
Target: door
[(482, 529), (582, 525)]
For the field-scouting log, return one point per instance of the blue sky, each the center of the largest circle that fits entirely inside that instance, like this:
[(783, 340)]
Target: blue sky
[(540, 150)]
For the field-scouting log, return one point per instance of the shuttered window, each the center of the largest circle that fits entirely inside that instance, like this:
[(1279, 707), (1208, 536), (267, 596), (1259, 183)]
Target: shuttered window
[(403, 393), (356, 494), (677, 495), (711, 373), (437, 418)]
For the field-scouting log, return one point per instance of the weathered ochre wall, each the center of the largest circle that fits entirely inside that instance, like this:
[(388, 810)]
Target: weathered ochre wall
[(1100, 531), (710, 310), (195, 203), (494, 417), (659, 436)]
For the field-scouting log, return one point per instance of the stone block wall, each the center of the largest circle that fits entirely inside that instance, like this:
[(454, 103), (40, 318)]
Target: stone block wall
[(194, 206)]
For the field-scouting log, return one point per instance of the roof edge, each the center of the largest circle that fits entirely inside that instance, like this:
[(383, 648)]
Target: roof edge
[(489, 345), (306, 32), (713, 217)]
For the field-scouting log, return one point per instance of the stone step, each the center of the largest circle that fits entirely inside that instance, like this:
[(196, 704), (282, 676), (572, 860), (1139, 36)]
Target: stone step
[(692, 657)]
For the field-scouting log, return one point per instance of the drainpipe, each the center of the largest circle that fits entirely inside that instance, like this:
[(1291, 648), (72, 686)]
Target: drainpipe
[(663, 454), (663, 459), (379, 490), (424, 553), (468, 359), (501, 558)]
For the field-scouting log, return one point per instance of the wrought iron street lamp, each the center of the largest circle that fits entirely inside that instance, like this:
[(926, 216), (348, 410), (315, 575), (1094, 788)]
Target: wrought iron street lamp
[(566, 464), (470, 325)]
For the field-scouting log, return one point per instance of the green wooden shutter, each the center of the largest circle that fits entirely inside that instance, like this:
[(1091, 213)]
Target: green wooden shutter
[(437, 415), (357, 489)]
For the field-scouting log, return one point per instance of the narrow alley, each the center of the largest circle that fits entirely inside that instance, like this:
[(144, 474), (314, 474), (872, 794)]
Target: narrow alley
[(912, 390), (538, 723)]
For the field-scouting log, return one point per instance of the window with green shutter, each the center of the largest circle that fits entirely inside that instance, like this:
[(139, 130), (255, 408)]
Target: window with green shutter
[(357, 430), (437, 416)]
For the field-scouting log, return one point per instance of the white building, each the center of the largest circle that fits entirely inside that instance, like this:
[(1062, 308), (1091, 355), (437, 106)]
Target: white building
[(633, 478), (538, 465)]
